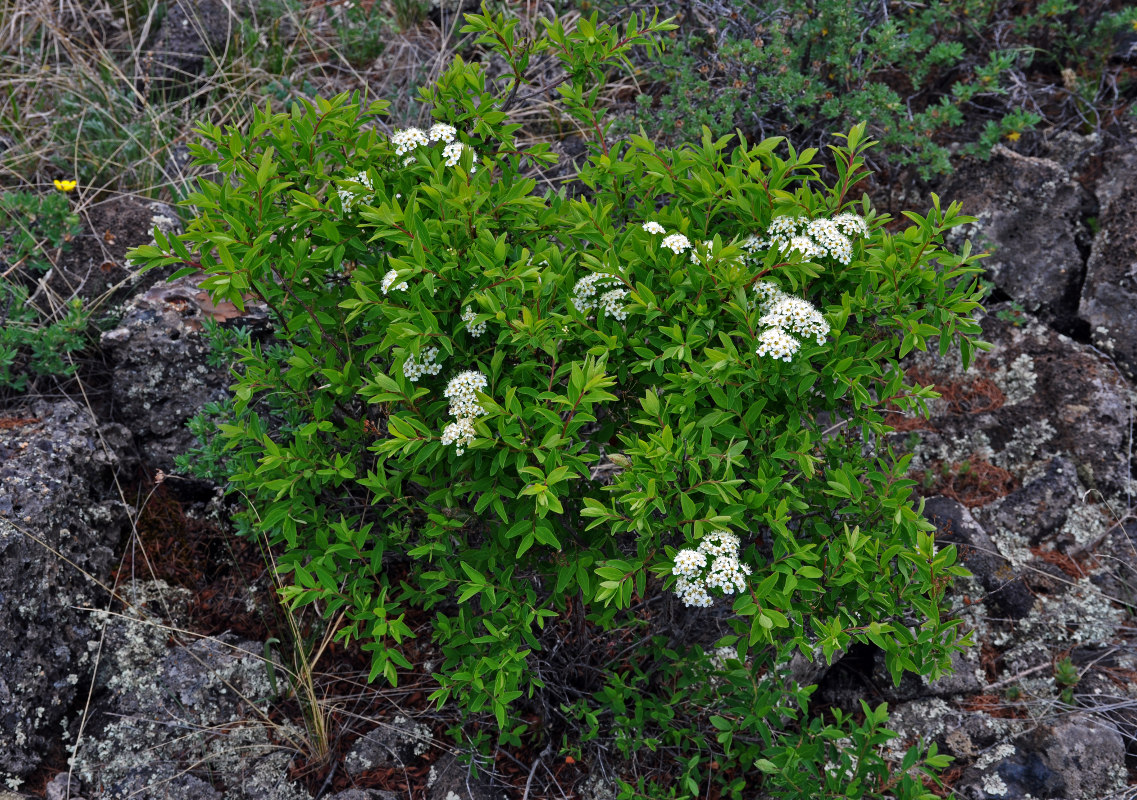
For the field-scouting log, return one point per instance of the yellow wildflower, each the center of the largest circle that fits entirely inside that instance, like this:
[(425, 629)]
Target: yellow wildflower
[(66, 186), (1014, 136)]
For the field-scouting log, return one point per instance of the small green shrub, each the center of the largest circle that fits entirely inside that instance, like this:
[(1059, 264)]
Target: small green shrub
[(31, 222), (33, 339), (528, 414)]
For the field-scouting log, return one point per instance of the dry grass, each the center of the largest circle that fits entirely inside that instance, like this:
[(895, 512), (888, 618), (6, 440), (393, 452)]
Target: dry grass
[(88, 93)]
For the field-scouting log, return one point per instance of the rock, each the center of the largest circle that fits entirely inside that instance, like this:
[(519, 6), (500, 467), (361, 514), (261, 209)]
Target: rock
[(1077, 154), (365, 794), (160, 359), (96, 263), (1080, 758), (395, 743), (1030, 214), (454, 781), (1038, 509), (1008, 595), (184, 720), (63, 787), (1088, 753), (1035, 396), (193, 31), (1109, 295), (60, 522)]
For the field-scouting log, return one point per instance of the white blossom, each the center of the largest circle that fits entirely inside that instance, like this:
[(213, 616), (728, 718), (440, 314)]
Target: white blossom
[(441, 132), (586, 289), (676, 243), (693, 594), (689, 563), (654, 227), (754, 248), (388, 284), (798, 316), (408, 139), (464, 407), (452, 154), (827, 236), (460, 432), (851, 224), (785, 226), (717, 543), (611, 306), (726, 573), (462, 394), (474, 327), (804, 245), (425, 365), (768, 294), (776, 343), (348, 197)]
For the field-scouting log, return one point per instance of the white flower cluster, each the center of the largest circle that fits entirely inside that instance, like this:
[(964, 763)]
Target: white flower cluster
[(441, 132), (798, 316), (464, 407), (776, 343), (347, 196), (726, 572), (814, 238), (768, 294), (426, 365), (783, 314), (453, 154), (585, 295), (408, 139), (474, 328), (677, 243), (851, 224), (388, 284)]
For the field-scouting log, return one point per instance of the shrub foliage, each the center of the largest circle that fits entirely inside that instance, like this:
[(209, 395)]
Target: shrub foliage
[(511, 408)]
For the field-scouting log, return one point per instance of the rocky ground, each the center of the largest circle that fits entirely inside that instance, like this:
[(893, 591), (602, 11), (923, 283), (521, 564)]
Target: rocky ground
[(173, 686)]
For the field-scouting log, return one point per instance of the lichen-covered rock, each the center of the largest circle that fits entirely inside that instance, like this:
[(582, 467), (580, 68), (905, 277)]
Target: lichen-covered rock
[(187, 721), (1008, 595), (162, 374), (96, 263), (397, 742), (1039, 508), (1109, 294), (1029, 216), (60, 520), (1036, 395), (1079, 758), (365, 794), (450, 779)]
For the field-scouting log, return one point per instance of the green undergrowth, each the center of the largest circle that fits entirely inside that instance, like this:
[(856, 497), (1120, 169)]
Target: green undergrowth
[(933, 80), (36, 335)]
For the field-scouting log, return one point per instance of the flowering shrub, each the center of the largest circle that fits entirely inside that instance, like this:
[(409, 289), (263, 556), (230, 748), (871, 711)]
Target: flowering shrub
[(530, 414)]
